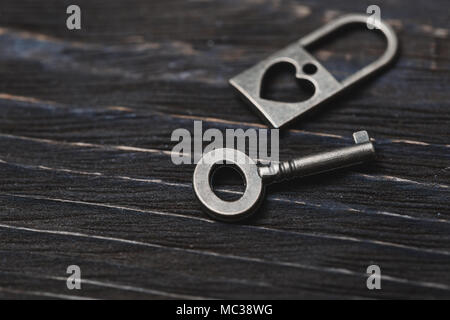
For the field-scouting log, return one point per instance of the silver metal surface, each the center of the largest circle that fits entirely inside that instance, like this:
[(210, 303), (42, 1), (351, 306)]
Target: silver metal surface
[(277, 113), (256, 176), (216, 207)]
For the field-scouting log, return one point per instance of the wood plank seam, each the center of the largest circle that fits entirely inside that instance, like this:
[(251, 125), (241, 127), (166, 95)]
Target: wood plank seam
[(341, 271), (250, 227), (270, 198)]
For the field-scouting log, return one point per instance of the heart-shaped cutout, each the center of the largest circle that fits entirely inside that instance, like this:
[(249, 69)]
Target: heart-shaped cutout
[(280, 84)]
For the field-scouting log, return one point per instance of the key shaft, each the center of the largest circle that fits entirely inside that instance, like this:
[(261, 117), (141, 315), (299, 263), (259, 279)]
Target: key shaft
[(362, 151)]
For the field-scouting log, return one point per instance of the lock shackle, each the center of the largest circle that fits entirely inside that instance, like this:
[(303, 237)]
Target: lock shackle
[(385, 59)]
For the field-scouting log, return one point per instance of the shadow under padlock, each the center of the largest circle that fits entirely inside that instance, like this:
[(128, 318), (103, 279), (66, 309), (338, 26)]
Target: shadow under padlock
[(319, 83)]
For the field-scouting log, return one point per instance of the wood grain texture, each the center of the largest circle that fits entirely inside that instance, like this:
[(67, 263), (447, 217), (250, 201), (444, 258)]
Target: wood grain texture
[(85, 154)]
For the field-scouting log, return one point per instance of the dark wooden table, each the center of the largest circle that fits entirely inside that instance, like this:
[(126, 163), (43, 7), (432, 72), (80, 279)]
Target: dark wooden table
[(87, 179)]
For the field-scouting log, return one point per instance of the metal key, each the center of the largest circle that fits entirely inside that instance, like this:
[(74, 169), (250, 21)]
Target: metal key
[(257, 176)]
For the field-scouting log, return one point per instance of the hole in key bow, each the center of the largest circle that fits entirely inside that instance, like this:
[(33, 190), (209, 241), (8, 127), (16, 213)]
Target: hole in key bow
[(227, 182)]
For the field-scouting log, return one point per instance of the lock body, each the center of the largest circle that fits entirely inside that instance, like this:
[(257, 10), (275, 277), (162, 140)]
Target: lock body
[(279, 114)]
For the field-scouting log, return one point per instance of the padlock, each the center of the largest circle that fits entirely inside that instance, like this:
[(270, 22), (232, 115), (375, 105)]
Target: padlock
[(279, 114)]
